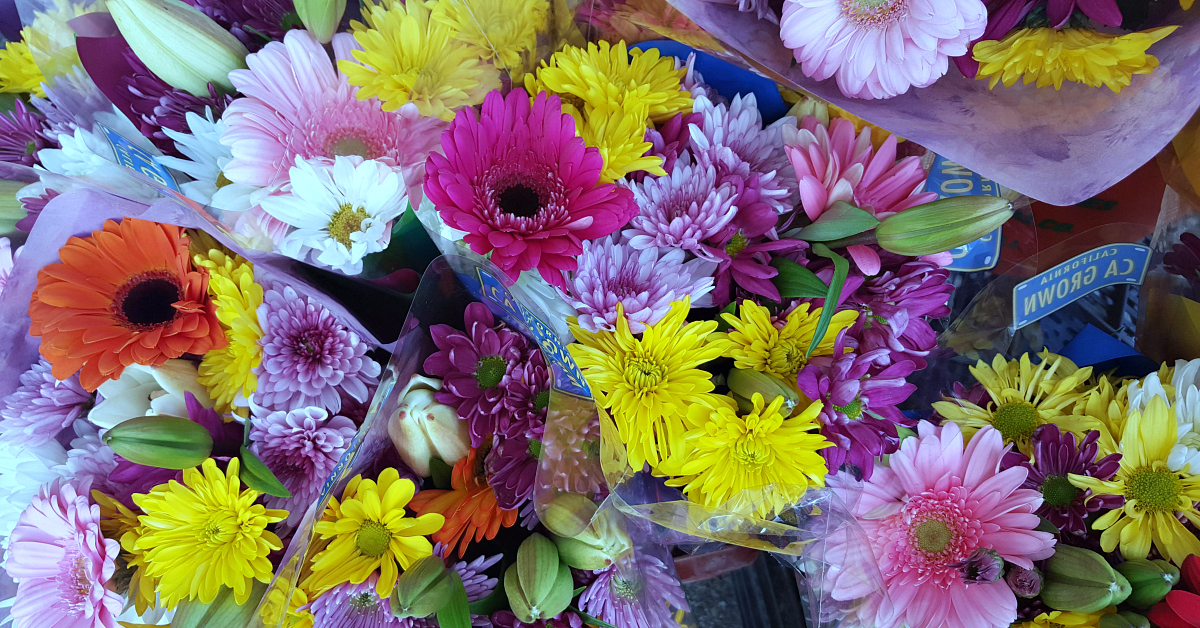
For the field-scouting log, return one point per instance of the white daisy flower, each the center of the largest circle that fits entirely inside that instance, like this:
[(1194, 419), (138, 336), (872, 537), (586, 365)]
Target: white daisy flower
[(341, 211), (89, 156), (206, 158)]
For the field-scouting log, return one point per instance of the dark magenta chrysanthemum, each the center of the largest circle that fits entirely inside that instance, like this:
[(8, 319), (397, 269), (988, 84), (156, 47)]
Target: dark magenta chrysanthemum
[(22, 135), (159, 106)]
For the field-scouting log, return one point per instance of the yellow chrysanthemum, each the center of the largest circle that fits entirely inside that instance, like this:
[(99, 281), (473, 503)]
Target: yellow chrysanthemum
[(121, 524), (1064, 619), (204, 534), (228, 372), (1024, 396), (1109, 405), (1155, 496), (273, 606), (369, 531), (621, 139), (499, 31), (19, 74), (1051, 56), (605, 77), (757, 343), (409, 57), (759, 462), (649, 383)]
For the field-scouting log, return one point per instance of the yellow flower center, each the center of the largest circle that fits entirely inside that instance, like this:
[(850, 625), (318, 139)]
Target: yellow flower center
[(933, 536), (347, 220), (373, 538), (1057, 490), (643, 374), (222, 181), (786, 358), (750, 451), (868, 13), (1154, 491), (1016, 420), (348, 145), (490, 371)]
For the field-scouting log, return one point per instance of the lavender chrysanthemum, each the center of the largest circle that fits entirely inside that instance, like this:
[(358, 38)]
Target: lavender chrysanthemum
[(566, 619), (90, 460), (71, 101), (639, 596), (159, 106), (355, 606), (473, 576), (644, 283), (308, 355), (42, 406), (253, 22), (301, 448), (22, 135), (34, 198), (682, 210), (669, 141)]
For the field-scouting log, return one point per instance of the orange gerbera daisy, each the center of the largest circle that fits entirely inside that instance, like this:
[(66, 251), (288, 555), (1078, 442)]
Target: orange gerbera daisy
[(126, 294), (470, 509)]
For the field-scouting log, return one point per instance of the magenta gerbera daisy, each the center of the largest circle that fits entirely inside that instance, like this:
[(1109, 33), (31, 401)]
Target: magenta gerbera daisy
[(296, 104), (523, 185)]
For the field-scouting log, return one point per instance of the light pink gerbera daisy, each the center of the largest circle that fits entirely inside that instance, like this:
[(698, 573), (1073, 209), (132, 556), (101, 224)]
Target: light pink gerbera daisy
[(879, 48), (61, 562), (924, 514), (833, 165), (523, 185), (296, 104)]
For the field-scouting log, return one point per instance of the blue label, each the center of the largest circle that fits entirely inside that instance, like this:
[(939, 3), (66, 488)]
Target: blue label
[(567, 375), (138, 160), (948, 179), (1046, 293)]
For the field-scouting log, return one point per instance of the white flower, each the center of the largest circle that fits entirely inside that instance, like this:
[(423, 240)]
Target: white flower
[(341, 212), (22, 471), (89, 156), (206, 158), (148, 390)]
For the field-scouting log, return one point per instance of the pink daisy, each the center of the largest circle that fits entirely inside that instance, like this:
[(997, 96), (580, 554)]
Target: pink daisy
[(296, 104), (925, 513), (879, 48), (524, 186), (833, 165), (62, 563)]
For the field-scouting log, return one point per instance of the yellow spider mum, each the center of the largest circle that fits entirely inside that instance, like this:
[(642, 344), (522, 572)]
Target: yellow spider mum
[(369, 530), (1050, 56), (1024, 396), (19, 74), (409, 57), (228, 371), (605, 77), (620, 137), (1064, 619), (499, 31), (1155, 496), (1109, 405), (757, 343), (204, 534), (757, 463), (273, 606), (121, 524), (649, 383)]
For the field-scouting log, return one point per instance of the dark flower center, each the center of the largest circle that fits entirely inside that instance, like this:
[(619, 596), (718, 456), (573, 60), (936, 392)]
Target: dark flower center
[(147, 300), (490, 371), (1057, 491), (519, 200), (541, 400), (310, 346)]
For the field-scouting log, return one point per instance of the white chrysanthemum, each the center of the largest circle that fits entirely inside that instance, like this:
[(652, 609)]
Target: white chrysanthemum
[(1185, 384), (89, 156), (206, 157), (22, 471), (341, 212)]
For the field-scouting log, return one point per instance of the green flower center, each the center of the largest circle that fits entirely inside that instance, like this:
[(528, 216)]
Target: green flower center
[(624, 588), (933, 536), (535, 448), (490, 371), (364, 603), (541, 400), (1154, 491), (1058, 491), (736, 244), (347, 220), (852, 409), (1016, 420), (373, 538), (348, 145), (750, 451), (643, 374), (30, 147)]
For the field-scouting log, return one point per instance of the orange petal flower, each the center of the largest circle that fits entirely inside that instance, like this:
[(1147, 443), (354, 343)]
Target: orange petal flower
[(125, 294), (470, 509)]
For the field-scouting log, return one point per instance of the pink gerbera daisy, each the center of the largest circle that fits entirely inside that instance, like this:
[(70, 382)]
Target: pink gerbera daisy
[(296, 104), (62, 563), (524, 186), (925, 513), (833, 165)]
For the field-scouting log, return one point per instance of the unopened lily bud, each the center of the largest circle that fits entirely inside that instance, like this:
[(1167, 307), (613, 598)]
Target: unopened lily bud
[(942, 225), (422, 589), (1026, 583), (538, 585), (744, 383), (321, 17), (422, 428)]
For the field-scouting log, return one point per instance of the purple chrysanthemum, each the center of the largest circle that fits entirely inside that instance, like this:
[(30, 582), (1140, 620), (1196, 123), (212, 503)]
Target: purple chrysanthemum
[(22, 135), (71, 101), (1055, 455), (669, 141), (6, 262), (511, 468), (859, 414), (356, 606), (473, 576), (308, 355), (159, 106), (42, 406), (476, 368), (645, 283), (34, 204), (897, 306), (301, 448), (566, 619), (639, 596), (682, 210), (528, 394), (253, 22), (745, 268)]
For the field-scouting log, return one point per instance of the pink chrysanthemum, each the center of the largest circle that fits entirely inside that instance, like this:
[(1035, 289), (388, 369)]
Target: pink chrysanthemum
[(833, 165), (645, 283), (42, 406), (682, 210), (925, 513), (523, 185), (878, 49), (296, 104), (301, 448), (669, 140), (62, 563)]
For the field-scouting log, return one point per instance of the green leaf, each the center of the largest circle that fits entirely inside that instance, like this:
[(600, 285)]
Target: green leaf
[(841, 268), (257, 476), (222, 611), (457, 612), (592, 621), (842, 220), (797, 282), (498, 600), (440, 472), (722, 324), (577, 591)]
